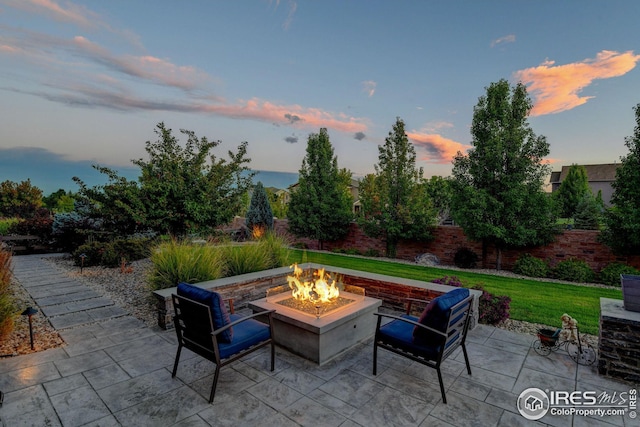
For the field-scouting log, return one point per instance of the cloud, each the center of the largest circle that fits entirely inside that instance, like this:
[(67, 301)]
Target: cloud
[(71, 13), (292, 6), (556, 88), (439, 150), (511, 38), (292, 118), (359, 136), (291, 139), (369, 87)]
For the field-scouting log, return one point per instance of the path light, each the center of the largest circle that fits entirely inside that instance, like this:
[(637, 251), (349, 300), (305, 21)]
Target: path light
[(82, 257), (30, 311)]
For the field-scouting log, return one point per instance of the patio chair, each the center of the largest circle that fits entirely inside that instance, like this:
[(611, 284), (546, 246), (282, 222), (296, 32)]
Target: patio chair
[(204, 326), (432, 337)]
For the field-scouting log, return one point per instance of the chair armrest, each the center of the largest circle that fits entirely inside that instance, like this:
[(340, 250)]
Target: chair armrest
[(230, 325), (404, 319)]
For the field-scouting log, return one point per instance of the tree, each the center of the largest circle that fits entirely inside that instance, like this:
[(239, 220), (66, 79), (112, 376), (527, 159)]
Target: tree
[(572, 190), (440, 192), (259, 217), (588, 213), (498, 195), (59, 201), (395, 200), (320, 207), (622, 220), (179, 190), (19, 199)]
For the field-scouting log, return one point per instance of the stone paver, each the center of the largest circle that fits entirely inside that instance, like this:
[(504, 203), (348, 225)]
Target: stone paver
[(114, 371)]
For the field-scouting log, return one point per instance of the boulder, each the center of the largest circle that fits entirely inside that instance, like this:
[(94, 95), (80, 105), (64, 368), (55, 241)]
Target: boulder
[(428, 260)]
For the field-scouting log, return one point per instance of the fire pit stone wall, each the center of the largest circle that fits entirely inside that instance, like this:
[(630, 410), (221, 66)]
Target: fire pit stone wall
[(245, 288)]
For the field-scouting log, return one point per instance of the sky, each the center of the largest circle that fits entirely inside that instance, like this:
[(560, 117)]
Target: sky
[(86, 82)]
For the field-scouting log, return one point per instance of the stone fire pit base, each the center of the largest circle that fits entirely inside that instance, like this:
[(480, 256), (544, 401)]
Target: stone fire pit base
[(320, 340)]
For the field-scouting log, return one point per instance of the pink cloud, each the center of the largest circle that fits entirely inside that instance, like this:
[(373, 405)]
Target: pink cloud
[(293, 115), (439, 149), (556, 88), (69, 13)]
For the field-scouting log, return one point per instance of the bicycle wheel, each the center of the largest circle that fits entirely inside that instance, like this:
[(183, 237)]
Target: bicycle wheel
[(583, 354), (541, 349)]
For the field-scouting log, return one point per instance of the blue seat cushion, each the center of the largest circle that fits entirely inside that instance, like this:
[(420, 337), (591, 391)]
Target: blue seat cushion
[(215, 302), (399, 334), (245, 334), (436, 316)]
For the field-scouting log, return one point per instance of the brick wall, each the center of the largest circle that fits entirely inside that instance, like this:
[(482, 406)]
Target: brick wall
[(580, 244)]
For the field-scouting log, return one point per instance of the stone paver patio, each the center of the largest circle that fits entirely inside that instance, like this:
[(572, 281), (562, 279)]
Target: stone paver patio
[(114, 371)]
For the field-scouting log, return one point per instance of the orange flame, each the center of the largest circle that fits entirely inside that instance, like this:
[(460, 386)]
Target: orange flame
[(322, 288)]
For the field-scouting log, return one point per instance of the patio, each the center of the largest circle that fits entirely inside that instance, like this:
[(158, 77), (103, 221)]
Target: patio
[(116, 371)]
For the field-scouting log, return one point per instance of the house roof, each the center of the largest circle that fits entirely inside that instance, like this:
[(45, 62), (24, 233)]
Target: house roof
[(595, 173)]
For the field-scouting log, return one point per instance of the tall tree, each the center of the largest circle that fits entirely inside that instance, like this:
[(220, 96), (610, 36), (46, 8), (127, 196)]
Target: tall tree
[(321, 206), (180, 190), (395, 200), (622, 220), (19, 199), (498, 196), (259, 217), (572, 190)]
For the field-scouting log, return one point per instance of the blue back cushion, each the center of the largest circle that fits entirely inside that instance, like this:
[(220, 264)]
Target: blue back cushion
[(436, 316), (219, 313)]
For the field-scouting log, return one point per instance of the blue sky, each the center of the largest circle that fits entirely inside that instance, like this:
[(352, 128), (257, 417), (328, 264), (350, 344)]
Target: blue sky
[(87, 81)]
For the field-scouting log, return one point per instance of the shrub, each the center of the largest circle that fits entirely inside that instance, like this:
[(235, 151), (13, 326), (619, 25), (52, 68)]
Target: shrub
[(38, 225), (7, 309), (179, 261), (494, 309), (5, 225), (111, 254), (374, 253), (352, 251), (531, 266), (610, 275), (268, 252), (70, 229), (573, 270), (465, 258)]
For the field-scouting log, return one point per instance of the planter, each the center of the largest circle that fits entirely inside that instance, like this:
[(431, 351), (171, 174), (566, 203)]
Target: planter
[(630, 291)]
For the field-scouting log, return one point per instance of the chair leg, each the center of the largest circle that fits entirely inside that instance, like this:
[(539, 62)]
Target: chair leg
[(273, 355), (215, 383), (375, 358), (175, 364), (466, 358), (444, 397)]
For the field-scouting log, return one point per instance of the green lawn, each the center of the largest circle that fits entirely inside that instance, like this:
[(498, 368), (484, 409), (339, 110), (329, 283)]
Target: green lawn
[(531, 300)]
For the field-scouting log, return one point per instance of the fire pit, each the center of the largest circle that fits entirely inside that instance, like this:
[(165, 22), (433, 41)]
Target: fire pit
[(317, 317)]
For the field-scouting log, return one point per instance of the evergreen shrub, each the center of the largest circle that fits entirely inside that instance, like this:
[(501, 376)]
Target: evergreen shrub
[(573, 270), (528, 265), (465, 258), (610, 275)]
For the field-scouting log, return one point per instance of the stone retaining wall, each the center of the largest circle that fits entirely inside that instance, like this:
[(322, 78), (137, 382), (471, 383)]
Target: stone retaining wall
[(244, 288), (619, 342)]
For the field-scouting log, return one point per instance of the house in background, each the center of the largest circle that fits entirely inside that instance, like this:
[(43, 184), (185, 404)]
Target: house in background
[(600, 178)]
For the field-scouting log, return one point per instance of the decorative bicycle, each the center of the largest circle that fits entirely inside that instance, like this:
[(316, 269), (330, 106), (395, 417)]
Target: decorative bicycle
[(579, 350)]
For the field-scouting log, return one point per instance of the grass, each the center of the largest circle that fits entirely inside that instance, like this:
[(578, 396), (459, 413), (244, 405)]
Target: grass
[(531, 300)]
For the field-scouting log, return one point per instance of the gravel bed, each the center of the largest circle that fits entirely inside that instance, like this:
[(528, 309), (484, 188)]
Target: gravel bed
[(129, 290)]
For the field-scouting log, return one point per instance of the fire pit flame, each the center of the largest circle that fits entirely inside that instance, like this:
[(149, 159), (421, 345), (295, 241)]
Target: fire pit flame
[(320, 289)]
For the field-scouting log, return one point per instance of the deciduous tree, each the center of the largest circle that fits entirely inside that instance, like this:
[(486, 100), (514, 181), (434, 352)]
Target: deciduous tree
[(19, 199), (622, 220), (395, 200), (498, 193), (321, 206)]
